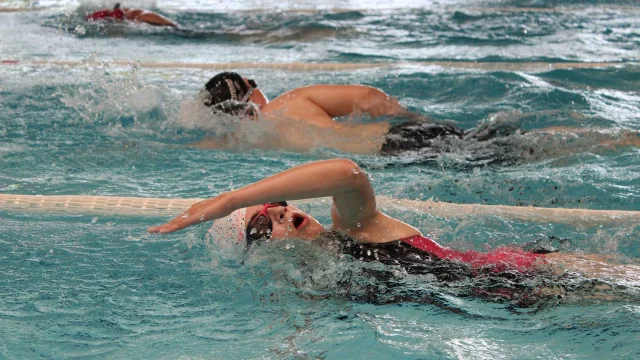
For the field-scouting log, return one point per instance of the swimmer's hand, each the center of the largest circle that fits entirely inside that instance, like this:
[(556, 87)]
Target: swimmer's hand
[(199, 212), (164, 229)]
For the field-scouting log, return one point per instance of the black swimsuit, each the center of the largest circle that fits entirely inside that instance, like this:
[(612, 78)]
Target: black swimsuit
[(407, 257), (489, 144), (413, 136), (505, 274)]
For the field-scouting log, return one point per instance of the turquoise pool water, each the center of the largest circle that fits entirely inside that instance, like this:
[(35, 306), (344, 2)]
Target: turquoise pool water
[(99, 286)]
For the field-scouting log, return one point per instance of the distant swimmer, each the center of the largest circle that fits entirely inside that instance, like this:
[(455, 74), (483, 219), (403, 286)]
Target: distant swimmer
[(137, 15), (304, 119)]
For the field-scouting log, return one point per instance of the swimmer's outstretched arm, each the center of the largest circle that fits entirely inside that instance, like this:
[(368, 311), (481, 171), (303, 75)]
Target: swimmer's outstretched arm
[(149, 17), (352, 193), (342, 100), (155, 19)]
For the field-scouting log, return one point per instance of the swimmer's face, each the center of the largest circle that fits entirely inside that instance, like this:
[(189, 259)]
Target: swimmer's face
[(287, 222), (256, 97)]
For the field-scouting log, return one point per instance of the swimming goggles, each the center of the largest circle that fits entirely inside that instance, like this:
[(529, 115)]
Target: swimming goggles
[(253, 85), (261, 226)]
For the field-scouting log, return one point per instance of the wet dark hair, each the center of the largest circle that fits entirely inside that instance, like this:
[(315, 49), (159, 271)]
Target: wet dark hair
[(117, 6), (224, 87)]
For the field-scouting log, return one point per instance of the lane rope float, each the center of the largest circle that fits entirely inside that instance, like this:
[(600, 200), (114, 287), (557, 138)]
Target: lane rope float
[(160, 207)]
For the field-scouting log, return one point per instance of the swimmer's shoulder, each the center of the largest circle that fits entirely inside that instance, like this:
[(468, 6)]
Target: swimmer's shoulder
[(295, 107)]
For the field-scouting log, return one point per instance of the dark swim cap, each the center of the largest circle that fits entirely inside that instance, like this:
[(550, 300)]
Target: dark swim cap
[(224, 87)]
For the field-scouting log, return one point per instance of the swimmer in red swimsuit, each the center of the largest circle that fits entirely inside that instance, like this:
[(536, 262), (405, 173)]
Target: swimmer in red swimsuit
[(138, 15), (255, 213)]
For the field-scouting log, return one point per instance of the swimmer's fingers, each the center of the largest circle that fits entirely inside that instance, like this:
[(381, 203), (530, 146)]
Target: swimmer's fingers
[(164, 229), (183, 221)]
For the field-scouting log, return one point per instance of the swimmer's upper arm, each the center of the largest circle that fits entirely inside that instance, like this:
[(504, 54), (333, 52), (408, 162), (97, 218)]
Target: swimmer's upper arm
[(342, 100), (356, 206)]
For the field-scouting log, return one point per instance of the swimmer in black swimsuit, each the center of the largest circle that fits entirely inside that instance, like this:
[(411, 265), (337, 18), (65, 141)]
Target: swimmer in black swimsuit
[(303, 119), (253, 214)]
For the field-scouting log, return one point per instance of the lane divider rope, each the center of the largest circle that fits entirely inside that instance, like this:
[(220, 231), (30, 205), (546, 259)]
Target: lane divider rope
[(161, 207), (300, 66)]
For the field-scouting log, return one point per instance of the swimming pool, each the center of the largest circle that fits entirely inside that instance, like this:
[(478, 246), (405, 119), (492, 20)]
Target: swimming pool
[(99, 286)]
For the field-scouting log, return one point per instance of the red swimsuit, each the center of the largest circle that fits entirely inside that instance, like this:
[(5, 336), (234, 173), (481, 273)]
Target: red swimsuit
[(501, 259)]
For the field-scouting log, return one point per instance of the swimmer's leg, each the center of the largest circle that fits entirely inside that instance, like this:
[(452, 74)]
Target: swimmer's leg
[(595, 266), (603, 138)]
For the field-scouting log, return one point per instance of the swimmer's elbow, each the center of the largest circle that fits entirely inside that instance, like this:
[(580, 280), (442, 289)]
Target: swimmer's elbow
[(378, 103), (371, 95), (346, 165), (351, 173)]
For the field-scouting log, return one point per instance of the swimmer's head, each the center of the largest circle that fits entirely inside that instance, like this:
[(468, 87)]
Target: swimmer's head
[(229, 232), (276, 221), (117, 6), (227, 86)]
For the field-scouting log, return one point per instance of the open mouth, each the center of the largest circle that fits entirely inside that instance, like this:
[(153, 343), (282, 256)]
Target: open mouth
[(298, 220)]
